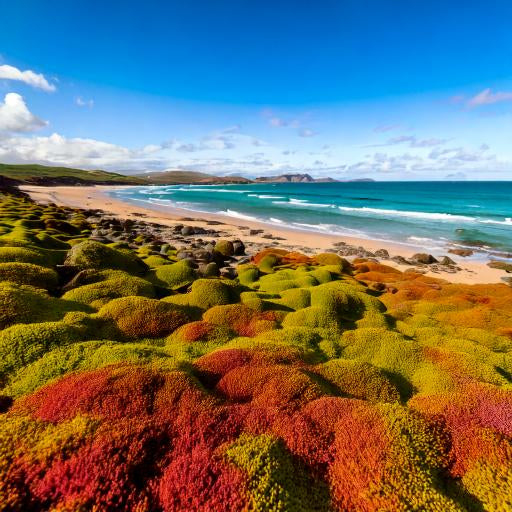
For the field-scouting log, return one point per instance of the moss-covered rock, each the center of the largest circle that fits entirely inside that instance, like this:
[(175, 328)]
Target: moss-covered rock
[(206, 293), (224, 247), (91, 254), (174, 276), (139, 317), (114, 284)]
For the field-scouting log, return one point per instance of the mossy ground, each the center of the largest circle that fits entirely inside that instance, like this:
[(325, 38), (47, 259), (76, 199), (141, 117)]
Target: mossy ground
[(133, 384)]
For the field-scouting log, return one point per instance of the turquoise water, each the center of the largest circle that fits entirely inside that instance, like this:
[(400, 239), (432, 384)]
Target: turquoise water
[(433, 215)]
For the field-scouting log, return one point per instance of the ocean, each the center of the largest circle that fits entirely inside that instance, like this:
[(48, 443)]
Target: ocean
[(435, 216)]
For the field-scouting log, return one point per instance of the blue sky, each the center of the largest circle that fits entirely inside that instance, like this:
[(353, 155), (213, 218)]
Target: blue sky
[(382, 89)]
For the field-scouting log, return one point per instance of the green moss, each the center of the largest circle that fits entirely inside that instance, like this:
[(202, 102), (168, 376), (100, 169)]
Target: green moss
[(248, 276), (24, 343), (116, 284), (329, 258), (267, 264), (295, 298), (155, 261), (83, 356), (22, 304), (138, 317), (95, 255), (276, 480), (224, 247), (359, 380), (29, 274), (206, 293), (22, 255), (174, 276)]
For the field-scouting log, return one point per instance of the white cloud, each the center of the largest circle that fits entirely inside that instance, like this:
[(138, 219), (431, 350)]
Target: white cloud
[(306, 132), (57, 149), (79, 101), (487, 97), (16, 117), (28, 77)]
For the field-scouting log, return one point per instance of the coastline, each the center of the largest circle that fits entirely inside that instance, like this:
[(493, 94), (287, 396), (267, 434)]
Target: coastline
[(96, 197)]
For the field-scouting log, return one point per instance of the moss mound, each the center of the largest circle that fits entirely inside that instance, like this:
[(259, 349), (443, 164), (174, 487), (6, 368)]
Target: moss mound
[(91, 254), (29, 274), (111, 284), (174, 276), (139, 317)]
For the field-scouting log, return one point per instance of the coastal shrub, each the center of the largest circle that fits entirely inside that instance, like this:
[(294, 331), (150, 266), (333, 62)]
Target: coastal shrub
[(29, 274), (91, 254), (138, 317), (174, 276)]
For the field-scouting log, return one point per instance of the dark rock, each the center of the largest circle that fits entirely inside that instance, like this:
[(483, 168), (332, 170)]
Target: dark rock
[(462, 252), (424, 258), (184, 254), (238, 248), (446, 260), (500, 265), (209, 269), (382, 253), (187, 230), (253, 232), (228, 273), (202, 255)]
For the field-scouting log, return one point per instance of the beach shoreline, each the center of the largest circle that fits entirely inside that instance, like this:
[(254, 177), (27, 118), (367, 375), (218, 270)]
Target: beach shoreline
[(268, 235)]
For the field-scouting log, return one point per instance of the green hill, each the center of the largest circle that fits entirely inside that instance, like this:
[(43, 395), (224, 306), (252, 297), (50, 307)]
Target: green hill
[(45, 175), (180, 176)]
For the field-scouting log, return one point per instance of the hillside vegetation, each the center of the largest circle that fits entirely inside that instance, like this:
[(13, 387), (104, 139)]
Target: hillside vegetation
[(131, 382), (179, 176), (45, 175)]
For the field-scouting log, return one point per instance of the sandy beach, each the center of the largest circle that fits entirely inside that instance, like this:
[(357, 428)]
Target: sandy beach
[(96, 197)]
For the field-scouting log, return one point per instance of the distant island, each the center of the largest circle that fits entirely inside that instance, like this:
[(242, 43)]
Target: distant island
[(34, 174)]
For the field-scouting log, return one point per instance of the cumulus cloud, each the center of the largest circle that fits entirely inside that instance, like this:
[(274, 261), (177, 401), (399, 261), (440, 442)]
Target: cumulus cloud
[(306, 132), (28, 77), (79, 101), (487, 97), (411, 141), (57, 149), (16, 117)]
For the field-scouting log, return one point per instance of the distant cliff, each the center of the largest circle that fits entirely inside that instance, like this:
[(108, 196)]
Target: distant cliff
[(292, 178)]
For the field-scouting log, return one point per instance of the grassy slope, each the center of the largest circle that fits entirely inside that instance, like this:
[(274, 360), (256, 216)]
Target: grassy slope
[(42, 174), (45, 175), (178, 176)]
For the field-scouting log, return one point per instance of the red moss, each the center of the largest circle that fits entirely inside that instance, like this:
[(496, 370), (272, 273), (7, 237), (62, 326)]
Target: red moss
[(111, 392)]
